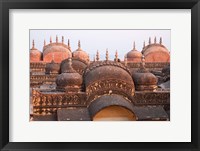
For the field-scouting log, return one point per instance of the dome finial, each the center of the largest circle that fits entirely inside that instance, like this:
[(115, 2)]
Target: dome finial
[(44, 42), (107, 55), (134, 45), (116, 56), (97, 56), (149, 40), (160, 40), (50, 39), (125, 60), (144, 45), (56, 38), (33, 44), (69, 65), (79, 44), (155, 40), (63, 40), (68, 44)]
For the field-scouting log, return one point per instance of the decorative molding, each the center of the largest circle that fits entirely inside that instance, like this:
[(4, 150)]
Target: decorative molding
[(152, 98), (109, 86)]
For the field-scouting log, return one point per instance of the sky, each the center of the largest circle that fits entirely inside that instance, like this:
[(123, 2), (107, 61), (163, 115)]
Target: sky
[(93, 40)]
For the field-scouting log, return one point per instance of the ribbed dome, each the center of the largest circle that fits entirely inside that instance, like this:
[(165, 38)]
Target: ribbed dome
[(154, 48), (80, 54), (52, 68), (108, 77), (106, 69), (69, 80), (144, 80), (134, 55), (156, 52), (35, 54), (55, 47)]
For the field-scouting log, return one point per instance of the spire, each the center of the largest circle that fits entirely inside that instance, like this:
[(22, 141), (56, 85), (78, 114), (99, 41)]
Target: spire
[(69, 68), (33, 44), (44, 42), (160, 40), (155, 40), (68, 43), (97, 56), (63, 40), (134, 45), (107, 55), (50, 39), (94, 59), (144, 45), (149, 40), (116, 56), (79, 44), (56, 39)]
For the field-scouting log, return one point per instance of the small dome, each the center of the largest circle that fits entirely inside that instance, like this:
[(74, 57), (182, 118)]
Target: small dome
[(80, 54), (134, 55), (52, 68), (144, 80), (35, 54), (77, 64), (69, 80)]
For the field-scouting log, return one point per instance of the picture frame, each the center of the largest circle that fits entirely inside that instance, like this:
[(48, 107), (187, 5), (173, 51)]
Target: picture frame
[(5, 5)]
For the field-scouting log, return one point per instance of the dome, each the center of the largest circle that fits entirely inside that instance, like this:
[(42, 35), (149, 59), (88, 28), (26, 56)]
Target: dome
[(80, 54), (77, 64), (144, 80), (69, 80), (134, 55), (105, 70), (106, 77), (59, 50), (35, 54), (156, 52), (52, 68)]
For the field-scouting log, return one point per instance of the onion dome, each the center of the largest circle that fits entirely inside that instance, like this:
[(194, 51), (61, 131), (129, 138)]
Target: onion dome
[(35, 54), (59, 49), (143, 79), (134, 55), (156, 52), (80, 54), (77, 64), (69, 80), (52, 68)]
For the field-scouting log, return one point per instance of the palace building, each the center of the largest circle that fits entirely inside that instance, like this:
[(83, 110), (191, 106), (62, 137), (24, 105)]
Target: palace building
[(66, 85)]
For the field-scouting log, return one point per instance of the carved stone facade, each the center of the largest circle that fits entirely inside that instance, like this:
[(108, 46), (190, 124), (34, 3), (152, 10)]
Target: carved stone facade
[(47, 103), (66, 85)]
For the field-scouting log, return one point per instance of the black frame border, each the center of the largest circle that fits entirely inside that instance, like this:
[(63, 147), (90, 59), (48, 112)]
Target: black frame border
[(5, 5)]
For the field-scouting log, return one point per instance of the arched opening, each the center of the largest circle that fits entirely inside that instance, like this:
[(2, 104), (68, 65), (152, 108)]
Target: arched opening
[(114, 113)]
